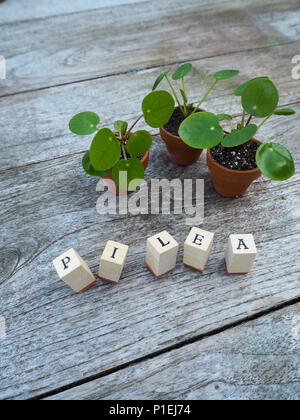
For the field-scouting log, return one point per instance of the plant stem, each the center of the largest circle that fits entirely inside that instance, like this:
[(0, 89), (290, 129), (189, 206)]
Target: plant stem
[(243, 118), (133, 125), (264, 121), (183, 88), (176, 97), (124, 151), (206, 95), (249, 120)]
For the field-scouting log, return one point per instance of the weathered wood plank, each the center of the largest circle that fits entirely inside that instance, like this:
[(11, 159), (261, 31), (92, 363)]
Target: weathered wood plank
[(21, 10), (55, 337), (34, 126), (258, 360), (98, 43)]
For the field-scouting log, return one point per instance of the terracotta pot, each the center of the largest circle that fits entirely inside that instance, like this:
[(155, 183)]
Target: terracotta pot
[(228, 182), (178, 151), (115, 189)]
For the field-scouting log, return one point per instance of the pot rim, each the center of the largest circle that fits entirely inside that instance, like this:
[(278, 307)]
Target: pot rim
[(237, 171)]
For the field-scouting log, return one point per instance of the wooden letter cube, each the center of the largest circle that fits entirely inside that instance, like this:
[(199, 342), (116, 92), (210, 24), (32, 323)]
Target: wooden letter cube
[(112, 261), (241, 253), (74, 271), (197, 248), (161, 255)]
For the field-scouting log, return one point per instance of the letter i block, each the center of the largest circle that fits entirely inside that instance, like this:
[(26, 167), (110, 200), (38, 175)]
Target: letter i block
[(197, 248), (112, 261), (241, 253), (74, 271), (161, 255)]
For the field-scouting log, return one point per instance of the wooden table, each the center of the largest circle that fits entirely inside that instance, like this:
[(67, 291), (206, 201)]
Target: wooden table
[(188, 335)]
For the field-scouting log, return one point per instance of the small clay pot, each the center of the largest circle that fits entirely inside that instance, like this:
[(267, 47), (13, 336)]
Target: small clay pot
[(228, 182), (115, 189), (178, 151)]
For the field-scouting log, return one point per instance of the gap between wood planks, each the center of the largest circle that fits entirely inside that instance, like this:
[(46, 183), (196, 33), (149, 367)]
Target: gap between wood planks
[(142, 69), (182, 344)]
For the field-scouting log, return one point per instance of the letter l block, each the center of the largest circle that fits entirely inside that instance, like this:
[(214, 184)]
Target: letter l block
[(74, 271), (240, 254), (161, 254)]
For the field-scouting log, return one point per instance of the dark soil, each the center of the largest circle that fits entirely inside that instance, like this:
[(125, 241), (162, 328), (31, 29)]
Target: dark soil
[(240, 158), (175, 121)]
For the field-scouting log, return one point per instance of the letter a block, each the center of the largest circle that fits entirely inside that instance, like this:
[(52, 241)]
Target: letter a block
[(161, 255), (74, 271), (112, 261), (241, 253), (197, 248)]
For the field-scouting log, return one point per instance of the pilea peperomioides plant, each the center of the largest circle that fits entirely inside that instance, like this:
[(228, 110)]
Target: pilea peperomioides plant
[(113, 153), (179, 152), (259, 99)]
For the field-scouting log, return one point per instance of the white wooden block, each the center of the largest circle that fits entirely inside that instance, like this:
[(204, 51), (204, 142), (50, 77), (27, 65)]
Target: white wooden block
[(74, 271), (161, 254), (240, 254), (112, 261), (197, 248)]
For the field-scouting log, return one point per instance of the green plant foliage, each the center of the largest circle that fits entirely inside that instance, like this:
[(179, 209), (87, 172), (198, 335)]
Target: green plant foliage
[(238, 137), (201, 130), (105, 150), (260, 98), (239, 91), (225, 74), (224, 117), (121, 127), (160, 79), (134, 170), (275, 161), (158, 108), (139, 143), (285, 111), (84, 123), (88, 167), (182, 71)]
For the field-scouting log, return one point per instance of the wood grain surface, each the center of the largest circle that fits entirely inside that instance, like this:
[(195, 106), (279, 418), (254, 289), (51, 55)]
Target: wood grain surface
[(63, 59)]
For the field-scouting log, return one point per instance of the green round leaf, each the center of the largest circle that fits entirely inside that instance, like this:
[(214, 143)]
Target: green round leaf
[(105, 150), (88, 167), (285, 111), (182, 71), (224, 117), (160, 79), (260, 98), (139, 143), (201, 130), (158, 108), (238, 137), (275, 161), (239, 91), (225, 74), (84, 123), (133, 169), (121, 127)]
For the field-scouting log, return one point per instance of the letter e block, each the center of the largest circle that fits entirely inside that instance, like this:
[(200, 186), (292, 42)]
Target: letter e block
[(112, 261), (74, 271), (240, 254), (161, 255), (197, 248)]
